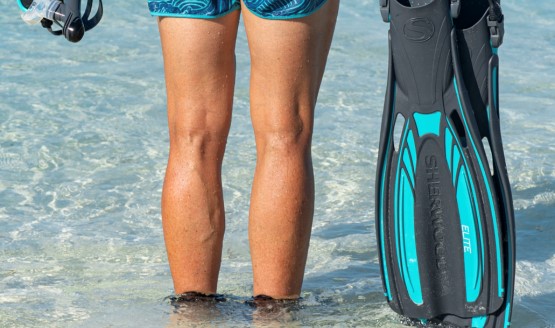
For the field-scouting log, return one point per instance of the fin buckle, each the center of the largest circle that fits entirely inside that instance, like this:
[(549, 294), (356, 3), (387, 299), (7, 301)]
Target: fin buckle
[(384, 10), (496, 30), (455, 8)]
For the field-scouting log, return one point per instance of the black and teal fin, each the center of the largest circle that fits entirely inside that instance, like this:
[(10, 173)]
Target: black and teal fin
[(444, 218)]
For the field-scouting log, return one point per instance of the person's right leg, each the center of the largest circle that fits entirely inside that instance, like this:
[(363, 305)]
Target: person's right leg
[(288, 60), (199, 61)]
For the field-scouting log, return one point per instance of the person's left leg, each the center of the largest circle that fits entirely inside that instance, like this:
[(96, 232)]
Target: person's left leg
[(288, 60), (199, 61)]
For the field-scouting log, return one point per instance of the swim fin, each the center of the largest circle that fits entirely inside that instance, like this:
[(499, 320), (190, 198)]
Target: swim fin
[(445, 221)]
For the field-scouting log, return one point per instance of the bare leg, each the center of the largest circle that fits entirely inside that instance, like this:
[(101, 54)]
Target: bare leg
[(199, 61), (288, 60)]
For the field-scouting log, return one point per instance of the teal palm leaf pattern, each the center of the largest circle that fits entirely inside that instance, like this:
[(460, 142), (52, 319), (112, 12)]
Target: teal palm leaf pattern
[(212, 8), (192, 7), (284, 8)]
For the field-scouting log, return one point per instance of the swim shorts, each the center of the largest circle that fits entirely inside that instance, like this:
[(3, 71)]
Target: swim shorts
[(271, 9)]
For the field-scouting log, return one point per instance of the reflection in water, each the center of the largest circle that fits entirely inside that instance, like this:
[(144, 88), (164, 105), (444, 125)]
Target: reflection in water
[(232, 311), (269, 312), (196, 314)]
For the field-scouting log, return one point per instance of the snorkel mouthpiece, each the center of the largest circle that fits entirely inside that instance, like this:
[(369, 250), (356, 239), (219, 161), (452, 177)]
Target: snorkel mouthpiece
[(66, 14)]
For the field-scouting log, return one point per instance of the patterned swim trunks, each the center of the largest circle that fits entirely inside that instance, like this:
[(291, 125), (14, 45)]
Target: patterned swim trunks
[(271, 9)]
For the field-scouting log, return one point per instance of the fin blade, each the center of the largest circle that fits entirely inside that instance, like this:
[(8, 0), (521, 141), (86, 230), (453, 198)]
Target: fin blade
[(436, 194)]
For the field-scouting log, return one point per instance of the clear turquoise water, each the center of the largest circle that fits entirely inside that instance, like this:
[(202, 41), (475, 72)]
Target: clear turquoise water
[(83, 144)]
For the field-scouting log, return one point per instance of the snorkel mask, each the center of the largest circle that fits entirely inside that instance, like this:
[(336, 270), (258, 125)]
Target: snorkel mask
[(64, 13)]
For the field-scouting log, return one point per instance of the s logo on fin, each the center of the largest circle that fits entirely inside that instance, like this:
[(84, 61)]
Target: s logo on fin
[(419, 29)]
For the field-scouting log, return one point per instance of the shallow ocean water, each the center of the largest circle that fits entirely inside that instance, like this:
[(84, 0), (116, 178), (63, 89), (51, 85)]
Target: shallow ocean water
[(83, 144)]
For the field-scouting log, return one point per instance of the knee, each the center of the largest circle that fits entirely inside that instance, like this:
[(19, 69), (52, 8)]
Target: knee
[(198, 128), (197, 143), (286, 137)]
